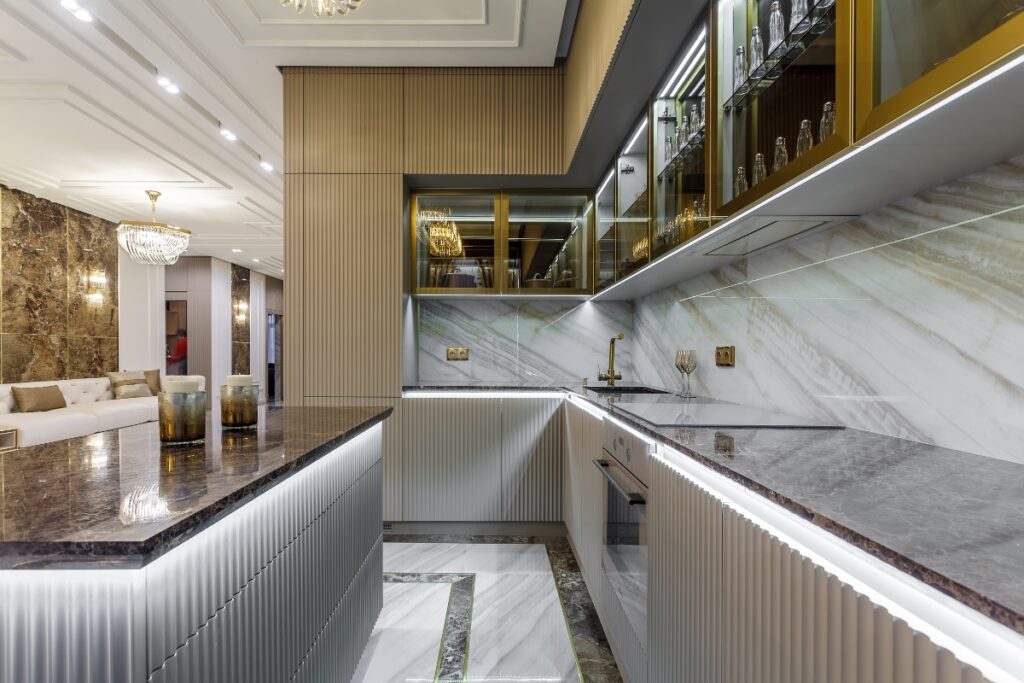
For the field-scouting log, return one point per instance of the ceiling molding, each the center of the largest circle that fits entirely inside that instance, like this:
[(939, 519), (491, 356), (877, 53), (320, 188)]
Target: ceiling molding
[(9, 54), (354, 19)]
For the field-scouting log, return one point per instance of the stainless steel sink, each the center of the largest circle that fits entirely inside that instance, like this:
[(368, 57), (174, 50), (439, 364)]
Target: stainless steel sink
[(626, 390)]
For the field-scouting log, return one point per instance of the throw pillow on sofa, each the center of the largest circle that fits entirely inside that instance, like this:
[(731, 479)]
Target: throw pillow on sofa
[(38, 399), (129, 384), (152, 381)]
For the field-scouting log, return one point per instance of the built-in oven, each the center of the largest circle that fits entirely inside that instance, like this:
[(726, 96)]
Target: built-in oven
[(624, 547)]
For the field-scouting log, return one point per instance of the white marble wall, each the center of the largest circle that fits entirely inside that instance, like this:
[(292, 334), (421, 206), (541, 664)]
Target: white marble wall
[(524, 342), (908, 321)]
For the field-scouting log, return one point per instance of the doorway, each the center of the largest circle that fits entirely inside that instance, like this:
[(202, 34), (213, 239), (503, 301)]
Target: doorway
[(176, 314), (275, 358)]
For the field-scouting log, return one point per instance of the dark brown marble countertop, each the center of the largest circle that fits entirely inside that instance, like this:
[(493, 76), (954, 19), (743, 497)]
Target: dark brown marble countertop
[(61, 504), (954, 520)]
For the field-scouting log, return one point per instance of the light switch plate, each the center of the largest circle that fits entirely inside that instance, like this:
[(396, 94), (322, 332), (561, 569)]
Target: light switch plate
[(456, 353), (725, 356)]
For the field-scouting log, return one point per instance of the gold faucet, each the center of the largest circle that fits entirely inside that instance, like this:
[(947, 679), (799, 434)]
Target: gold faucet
[(611, 375)]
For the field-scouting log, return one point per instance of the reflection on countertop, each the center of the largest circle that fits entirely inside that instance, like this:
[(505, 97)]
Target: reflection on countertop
[(119, 498), (952, 519)]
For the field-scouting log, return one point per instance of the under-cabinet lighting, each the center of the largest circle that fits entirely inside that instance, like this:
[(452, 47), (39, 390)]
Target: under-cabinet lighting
[(427, 393), (970, 636), (686, 60), (605, 183), (849, 154), (636, 136)]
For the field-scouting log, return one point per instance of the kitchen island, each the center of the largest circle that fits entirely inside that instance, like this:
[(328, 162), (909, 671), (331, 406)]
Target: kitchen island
[(255, 556)]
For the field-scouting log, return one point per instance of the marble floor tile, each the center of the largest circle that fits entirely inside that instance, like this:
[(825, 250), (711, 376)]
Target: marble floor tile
[(405, 642)]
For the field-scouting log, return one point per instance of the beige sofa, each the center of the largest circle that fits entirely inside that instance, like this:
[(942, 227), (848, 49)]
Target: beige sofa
[(91, 408)]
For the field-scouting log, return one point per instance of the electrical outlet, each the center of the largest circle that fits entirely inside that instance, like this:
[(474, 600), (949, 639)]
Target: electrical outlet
[(725, 356), (458, 353)]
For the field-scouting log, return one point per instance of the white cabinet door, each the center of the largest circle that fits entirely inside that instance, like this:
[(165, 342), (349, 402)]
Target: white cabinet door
[(531, 459), (572, 486)]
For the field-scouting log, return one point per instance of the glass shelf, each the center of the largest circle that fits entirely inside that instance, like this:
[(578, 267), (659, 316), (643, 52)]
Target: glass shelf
[(775, 64), (682, 157)]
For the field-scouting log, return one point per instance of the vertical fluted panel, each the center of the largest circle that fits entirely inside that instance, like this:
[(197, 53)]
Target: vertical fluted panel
[(452, 459), (532, 442), (786, 620), (533, 130), (352, 120), (572, 483), (630, 653), (294, 296), (454, 120), (294, 118), (350, 285), (685, 591)]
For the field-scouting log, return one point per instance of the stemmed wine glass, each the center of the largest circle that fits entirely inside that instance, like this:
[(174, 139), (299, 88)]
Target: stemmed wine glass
[(686, 363)]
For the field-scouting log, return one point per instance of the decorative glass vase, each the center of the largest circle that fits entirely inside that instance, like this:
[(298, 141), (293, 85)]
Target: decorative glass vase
[(776, 28), (804, 141), (739, 71), (760, 169), (827, 126), (756, 53), (739, 185), (781, 157), (239, 406), (182, 417), (695, 120), (799, 19)]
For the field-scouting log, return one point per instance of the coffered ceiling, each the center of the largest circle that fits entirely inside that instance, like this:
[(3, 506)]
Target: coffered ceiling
[(84, 122)]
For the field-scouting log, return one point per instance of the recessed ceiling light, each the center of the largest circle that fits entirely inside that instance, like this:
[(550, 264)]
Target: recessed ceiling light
[(255, 260), (163, 81), (266, 166), (237, 251), (282, 271), (228, 135)]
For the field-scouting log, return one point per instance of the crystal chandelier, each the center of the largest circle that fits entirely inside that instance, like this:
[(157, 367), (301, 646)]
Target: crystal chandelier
[(151, 243), (438, 231), (324, 8)]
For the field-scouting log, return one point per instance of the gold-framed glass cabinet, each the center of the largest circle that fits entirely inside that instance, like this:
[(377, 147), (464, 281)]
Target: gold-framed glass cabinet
[(475, 242), (908, 52), (782, 93)]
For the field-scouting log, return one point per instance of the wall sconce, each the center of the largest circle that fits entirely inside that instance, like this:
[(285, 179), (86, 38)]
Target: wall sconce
[(95, 283), (241, 311)]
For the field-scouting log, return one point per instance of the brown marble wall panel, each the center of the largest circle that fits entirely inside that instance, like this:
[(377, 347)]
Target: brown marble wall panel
[(92, 356), (240, 324), (58, 291), (33, 357), (33, 241), (92, 276)]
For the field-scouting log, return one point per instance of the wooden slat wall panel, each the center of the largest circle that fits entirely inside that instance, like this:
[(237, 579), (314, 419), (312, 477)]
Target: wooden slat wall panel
[(350, 286), (786, 620), (533, 131), (391, 447), (531, 459), (454, 120), (294, 293), (352, 121), (685, 586), (451, 459), (294, 81), (599, 29)]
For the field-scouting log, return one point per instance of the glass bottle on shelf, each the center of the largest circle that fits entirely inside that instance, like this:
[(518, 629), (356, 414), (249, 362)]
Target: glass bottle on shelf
[(703, 120), (739, 186), (760, 170), (799, 19), (739, 71), (827, 127), (756, 53), (776, 28), (695, 121), (781, 154), (821, 8), (804, 141)]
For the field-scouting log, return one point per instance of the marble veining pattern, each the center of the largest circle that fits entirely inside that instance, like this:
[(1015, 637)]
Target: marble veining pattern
[(908, 321), (240, 320), (536, 342), (61, 502)]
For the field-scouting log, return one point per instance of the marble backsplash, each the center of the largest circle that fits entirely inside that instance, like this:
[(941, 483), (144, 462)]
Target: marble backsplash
[(58, 291), (908, 321), (536, 342)]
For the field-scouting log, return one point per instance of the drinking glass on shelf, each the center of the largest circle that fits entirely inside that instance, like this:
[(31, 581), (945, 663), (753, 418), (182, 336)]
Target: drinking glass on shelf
[(739, 71), (781, 154), (799, 19), (756, 53), (804, 141), (776, 28), (739, 185), (827, 126), (686, 363), (760, 169)]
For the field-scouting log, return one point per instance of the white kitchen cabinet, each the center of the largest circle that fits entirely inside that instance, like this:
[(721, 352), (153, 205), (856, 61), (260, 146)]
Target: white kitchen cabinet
[(532, 445), (572, 484)]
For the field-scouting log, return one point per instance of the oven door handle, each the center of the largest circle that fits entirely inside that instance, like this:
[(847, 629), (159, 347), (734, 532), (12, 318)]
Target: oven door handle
[(633, 498)]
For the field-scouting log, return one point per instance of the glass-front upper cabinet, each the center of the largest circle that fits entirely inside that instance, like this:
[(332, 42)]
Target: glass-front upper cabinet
[(604, 209), (680, 203), (632, 202), (782, 83), (548, 243), (455, 242), (909, 51)]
